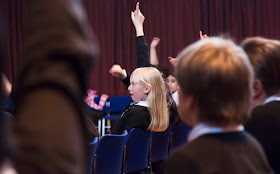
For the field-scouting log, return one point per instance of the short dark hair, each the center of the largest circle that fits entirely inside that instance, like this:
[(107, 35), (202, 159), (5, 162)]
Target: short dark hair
[(264, 55)]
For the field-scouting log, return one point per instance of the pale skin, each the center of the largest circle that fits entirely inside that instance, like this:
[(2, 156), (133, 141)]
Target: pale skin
[(172, 84), (138, 20), (117, 72), (153, 51), (203, 36), (259, 94), (138, 91)]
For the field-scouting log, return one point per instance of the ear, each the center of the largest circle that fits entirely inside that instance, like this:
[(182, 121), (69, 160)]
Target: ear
[(190, 103), (257, 88), (147, 89), (188, 109)]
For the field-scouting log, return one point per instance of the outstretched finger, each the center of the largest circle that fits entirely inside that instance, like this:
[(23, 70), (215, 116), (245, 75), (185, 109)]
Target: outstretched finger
[(200, 34), (137, 10)]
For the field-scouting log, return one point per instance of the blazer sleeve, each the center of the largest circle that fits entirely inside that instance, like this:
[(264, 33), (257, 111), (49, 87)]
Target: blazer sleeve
[(142, 52), (126, 80)]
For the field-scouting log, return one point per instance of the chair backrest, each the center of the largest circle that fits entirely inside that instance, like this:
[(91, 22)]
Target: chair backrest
[(137, 150), (92, 148), (118, 103), (160, 145), (109, 154), (179, 135)]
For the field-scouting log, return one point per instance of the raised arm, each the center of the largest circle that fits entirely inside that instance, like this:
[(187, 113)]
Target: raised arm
[(153, 51), (119, 73), (142, 51)]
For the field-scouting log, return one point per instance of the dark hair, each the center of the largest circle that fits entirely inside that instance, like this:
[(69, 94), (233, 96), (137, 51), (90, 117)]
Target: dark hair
[(264, 55), (162, 69)]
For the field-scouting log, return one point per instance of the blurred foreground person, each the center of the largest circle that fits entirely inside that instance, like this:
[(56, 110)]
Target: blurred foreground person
[(58, 52), (215, 80), (264, 123)]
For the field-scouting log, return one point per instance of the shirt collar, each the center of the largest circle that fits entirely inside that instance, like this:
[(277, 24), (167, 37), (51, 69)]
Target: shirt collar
[(203, 128), (142, 103), (272, 98)]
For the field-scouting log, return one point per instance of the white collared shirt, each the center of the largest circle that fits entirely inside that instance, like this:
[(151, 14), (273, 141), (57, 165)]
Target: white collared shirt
[(175, 97), (142, 103), (272, 98), (204, 128)]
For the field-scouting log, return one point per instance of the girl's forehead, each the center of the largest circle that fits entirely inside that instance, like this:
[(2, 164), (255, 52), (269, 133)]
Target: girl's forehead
[(170, 76)]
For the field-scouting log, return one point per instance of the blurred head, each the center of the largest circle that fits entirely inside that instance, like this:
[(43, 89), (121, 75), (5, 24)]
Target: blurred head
[(264, 55), (148, 85), (172, 83), (215, 79)]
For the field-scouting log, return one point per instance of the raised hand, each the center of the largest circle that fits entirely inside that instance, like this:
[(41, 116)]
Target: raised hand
[(138, 20), (173, 60), (155, 42), (117, 72), (203, 36)]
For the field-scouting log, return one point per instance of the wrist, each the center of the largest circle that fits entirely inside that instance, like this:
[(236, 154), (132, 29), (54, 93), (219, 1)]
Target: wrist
[(139, 31)]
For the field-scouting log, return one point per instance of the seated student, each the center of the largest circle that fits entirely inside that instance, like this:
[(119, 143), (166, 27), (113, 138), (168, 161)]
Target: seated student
[(173, 87), (143, 61), (215, 80), (149, 111), (264, 124)]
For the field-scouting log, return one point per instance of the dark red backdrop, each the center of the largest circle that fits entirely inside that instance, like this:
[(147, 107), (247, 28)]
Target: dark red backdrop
[(176, 22)]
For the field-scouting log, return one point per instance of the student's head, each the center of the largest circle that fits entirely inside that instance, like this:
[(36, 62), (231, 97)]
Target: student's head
[(215, 83), (172, 83), (264, 55), (147, 84)]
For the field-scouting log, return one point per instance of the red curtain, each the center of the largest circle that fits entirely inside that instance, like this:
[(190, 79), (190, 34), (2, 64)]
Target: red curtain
[(176, 22)]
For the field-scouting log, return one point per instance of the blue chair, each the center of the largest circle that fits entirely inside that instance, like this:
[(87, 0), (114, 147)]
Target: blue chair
[(115, 107), (160, 145), (179, 135), (109, 154), (137, 150), (92, 147)]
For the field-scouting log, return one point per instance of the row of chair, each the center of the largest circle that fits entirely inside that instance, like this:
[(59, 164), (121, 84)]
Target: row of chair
[(116, 154)]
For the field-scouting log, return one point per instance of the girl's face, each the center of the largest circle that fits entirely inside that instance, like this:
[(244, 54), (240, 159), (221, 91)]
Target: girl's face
[(172, 84), (138, 91)]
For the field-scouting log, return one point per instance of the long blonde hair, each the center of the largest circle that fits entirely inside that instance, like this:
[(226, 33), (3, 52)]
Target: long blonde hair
[(156, 97)]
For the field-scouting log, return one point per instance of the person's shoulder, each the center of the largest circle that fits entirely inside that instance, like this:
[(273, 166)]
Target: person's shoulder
[(264, 116), (138, 111), (180, 161), (139, 108), (268, 108)]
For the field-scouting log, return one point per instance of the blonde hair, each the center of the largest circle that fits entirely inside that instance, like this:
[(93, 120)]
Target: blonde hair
[(218, 74), (156, 97)]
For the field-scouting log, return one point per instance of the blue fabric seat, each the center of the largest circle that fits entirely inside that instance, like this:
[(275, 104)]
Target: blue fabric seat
[(160, 145), (109, 154), (137, 150), (179, 135)]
